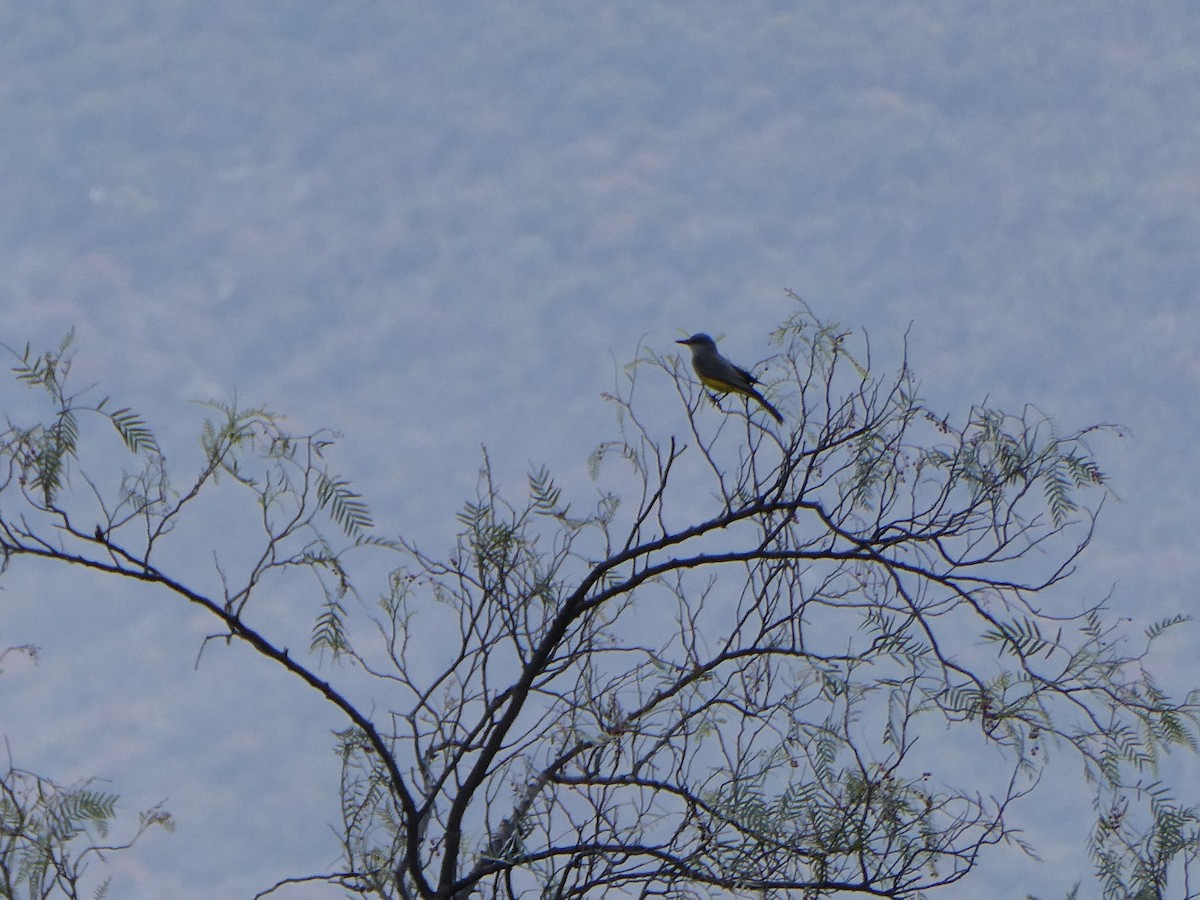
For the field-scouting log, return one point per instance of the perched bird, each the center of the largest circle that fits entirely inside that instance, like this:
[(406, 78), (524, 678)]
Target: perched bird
[(719, 374)]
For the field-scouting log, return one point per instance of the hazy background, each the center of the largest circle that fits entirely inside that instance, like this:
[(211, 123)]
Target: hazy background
[(437, 226)]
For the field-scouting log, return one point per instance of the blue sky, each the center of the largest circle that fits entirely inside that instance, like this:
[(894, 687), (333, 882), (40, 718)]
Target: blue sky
[(434, 229)]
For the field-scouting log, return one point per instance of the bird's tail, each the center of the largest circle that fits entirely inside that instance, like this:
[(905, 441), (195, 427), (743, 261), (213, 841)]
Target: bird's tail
[(767, 406)]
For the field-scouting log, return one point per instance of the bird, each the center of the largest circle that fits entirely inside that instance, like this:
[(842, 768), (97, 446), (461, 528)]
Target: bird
[(719, 374)]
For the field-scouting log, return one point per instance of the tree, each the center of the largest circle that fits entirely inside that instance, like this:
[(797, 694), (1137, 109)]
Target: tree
[(762, 676), (49, 833)]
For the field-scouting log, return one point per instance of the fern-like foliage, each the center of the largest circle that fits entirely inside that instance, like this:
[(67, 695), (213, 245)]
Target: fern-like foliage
[(46, 370), (133, 431), (52, 448), (49, 832), (345, 506), (329, 630), (1023, 637), (44, 452), (371, 831), (545, 494)]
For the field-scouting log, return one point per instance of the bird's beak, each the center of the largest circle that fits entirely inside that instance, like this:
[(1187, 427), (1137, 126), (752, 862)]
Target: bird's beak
[(681, 342)]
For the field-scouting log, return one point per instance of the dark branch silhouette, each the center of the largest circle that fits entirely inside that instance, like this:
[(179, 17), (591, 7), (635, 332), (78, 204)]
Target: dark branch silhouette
[(761, 676)]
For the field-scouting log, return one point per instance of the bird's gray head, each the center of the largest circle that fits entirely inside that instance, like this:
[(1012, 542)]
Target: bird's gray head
[(698, 340)]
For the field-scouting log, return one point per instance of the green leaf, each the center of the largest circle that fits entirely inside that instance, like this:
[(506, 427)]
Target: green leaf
[(134, 431), (346, 507)]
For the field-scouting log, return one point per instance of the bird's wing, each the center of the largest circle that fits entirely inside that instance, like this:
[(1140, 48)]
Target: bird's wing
[(750, 378)]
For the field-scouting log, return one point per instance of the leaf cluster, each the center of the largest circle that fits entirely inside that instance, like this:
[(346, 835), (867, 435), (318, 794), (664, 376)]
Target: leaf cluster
[(758, 671)]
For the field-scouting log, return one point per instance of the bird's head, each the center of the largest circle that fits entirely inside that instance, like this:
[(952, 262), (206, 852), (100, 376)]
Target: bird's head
[(698, 340)]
